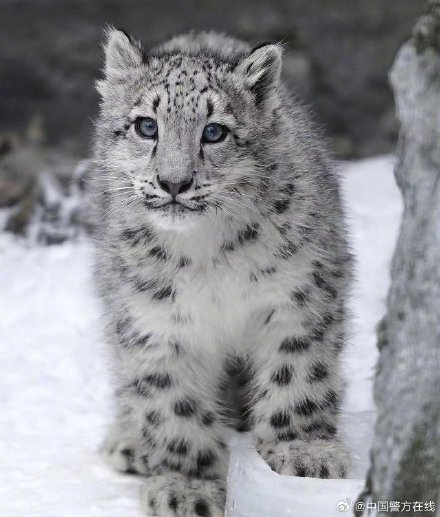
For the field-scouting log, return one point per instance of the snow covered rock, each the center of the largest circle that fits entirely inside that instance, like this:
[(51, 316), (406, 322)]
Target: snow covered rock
[(406, 448), (255, 490)]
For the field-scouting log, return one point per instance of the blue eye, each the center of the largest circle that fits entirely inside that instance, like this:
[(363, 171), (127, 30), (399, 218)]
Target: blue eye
[(214, 133), (146, 127)]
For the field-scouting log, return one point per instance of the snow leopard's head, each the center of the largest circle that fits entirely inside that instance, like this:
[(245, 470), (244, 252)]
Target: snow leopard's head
[(183, 129)]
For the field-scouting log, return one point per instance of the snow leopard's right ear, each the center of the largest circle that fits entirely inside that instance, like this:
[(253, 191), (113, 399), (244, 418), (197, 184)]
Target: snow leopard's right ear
[(122, 54)]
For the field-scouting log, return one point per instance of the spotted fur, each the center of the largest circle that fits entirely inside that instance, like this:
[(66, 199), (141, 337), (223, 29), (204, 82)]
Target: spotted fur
[(248, 263)]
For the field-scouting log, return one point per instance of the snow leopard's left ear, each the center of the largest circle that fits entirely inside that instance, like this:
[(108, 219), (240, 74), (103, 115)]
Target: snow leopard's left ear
[(122, 54), (262, 70)]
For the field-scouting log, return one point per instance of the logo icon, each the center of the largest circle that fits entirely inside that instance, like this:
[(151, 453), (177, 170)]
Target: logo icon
[(344, 505)]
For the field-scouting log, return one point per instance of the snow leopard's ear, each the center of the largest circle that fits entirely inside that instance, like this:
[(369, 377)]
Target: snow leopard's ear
[(262, 70), (122, 53)]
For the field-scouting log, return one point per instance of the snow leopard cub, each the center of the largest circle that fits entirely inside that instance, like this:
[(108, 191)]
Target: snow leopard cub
[(221, 240)]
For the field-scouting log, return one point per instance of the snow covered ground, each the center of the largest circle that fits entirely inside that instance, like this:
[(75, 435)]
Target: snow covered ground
[(55, 394)]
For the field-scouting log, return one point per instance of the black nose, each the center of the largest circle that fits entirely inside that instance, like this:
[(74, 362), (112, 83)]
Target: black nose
[(175, 188)]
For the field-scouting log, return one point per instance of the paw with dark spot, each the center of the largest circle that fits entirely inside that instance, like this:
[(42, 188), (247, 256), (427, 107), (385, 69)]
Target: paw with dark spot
[(173, 494), (314, 458)]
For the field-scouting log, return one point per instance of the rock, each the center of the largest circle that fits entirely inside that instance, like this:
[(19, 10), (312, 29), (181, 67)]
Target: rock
[(405, 464)]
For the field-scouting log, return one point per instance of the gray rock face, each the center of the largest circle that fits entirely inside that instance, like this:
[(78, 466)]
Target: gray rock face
[(406, 450), (337, 57)]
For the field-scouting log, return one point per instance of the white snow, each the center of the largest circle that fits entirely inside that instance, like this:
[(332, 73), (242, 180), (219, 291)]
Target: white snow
[(55, 392)]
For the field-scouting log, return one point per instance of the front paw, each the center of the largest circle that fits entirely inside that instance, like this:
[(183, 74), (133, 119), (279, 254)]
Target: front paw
[(314, 458), (175, 495)]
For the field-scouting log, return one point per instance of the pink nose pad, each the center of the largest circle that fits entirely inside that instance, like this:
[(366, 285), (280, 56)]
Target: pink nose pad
[(175, 188)]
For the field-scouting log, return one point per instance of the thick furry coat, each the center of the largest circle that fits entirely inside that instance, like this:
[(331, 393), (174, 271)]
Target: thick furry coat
[(217, 246)]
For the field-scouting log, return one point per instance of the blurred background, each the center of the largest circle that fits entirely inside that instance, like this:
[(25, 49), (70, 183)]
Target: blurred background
[(338, 54)]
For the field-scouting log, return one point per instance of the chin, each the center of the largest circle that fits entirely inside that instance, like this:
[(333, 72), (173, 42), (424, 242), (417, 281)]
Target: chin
[(174, 218)]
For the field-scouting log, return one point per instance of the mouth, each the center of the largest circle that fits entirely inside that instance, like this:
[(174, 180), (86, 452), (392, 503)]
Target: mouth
[(176, 206)]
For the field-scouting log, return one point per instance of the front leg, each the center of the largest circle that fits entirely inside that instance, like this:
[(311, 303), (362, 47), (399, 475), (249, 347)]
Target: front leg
[(174, 427), (121, 448), (297, 390)]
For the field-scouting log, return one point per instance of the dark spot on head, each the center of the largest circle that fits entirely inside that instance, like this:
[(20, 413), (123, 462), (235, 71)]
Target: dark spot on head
[(209, 107), (288, 189), (294, 344), (185, 407), (281, 205), (283, 375), (280, 419)]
